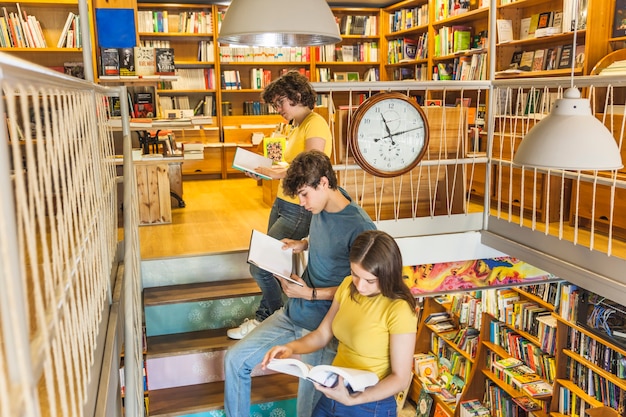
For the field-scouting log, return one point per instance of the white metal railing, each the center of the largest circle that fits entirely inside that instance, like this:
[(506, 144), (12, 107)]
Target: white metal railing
[(58, 242)]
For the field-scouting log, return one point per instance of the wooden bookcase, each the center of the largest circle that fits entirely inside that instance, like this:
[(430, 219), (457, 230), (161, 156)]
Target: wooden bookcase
[(52, 15)]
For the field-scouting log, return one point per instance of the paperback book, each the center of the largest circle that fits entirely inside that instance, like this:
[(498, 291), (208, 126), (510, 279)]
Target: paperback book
[(326, 375), (267, 253), (247, 161)]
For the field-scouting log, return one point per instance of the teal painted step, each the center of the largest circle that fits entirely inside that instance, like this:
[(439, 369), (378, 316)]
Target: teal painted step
[(284, 408), (195, 269), (199, 315)]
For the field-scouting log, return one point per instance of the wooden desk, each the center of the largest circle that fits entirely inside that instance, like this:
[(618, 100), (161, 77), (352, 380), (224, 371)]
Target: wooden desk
[(157, 180)]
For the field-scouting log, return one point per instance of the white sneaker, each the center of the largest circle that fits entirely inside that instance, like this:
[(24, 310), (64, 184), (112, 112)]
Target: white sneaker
[(242, 331)]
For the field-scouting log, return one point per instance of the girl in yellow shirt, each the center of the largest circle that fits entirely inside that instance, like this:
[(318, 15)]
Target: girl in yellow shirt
[(373, 317)]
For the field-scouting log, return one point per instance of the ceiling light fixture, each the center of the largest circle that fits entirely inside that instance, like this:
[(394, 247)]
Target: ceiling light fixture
[(279, 23), (570, 137)]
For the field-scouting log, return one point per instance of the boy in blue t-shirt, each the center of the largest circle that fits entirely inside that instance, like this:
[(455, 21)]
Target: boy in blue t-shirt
[(336, 222)]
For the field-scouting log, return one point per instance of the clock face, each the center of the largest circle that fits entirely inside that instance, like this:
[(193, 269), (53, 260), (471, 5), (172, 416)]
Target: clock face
[(389, 134)]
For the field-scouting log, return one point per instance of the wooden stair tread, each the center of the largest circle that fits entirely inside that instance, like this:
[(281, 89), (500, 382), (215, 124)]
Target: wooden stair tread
[(188, 343), (181, 293), (205, 397)]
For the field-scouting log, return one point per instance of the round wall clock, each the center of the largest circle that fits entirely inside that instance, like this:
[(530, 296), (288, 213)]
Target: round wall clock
[(389, 134)]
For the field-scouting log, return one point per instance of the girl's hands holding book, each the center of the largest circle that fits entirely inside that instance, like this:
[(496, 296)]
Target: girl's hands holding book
[(279, 351), (338, 393)]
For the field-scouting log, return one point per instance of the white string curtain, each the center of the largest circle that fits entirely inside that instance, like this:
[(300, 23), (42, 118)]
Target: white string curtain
[(58, 223)]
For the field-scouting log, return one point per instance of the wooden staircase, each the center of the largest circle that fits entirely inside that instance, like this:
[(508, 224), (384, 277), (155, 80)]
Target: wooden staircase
[(184, 362)]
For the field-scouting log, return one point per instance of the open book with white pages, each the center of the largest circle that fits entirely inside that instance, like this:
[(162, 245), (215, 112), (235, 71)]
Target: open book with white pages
[(267, 253)]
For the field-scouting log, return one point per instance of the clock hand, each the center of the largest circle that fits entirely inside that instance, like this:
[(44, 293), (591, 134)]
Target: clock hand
[(389, 135), (404, 131)]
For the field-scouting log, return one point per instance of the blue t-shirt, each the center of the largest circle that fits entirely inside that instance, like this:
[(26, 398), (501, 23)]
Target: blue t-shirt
[(330, 238)]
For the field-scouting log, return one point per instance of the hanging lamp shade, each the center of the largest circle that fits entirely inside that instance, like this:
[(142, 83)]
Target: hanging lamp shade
[(570, 137), (279, 23)]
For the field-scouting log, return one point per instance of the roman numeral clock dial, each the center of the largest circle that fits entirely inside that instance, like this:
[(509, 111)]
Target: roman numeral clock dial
[(389, 134)]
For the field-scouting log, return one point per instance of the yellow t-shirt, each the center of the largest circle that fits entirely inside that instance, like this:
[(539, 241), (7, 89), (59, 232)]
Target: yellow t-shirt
[(363, 327), (313, 126)]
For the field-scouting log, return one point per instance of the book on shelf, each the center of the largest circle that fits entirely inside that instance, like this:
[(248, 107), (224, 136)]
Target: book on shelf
[(527, 403), (164, 60), (68, 23), (565, 60), (505, 30), (537, 388), (473, 408), (326, 375), (110, 61), (538, 58), (127, 61), (424, 404), (426, 366), (619, 19), (526, 61), (144, 61), (524, 28), (144, 104), (248, 161), (267, 253), (506, 363), (75, 69)]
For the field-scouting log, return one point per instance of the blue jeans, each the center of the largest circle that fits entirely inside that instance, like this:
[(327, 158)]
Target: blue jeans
[(287, 220), (244, 355), (331, 408)]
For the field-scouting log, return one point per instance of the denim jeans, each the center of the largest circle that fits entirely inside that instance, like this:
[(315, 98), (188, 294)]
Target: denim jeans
[(331, 408), (287, 220), (244, 355)]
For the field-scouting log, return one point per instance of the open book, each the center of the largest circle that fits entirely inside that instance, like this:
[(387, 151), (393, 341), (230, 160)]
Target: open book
[(267, 253), (249, 161), (325, 375)]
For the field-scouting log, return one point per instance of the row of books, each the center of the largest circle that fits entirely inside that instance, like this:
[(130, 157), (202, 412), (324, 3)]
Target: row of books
[(452, 39), (71, 34), (359, 52), (571, 404), (436, 378), (358, 25), (502, 404), (522, 315), (521, 348), (596, 385), (468, 308), (568, 306), (447, 8), (407, 49), (325, 75), (194, 79), (20, 30), (206, 51), (264, 54), (417, 72), (596, 352), (137, 61), (548, 292), (163, 21), (548, 59), (408, 18), (155, 43), (473, 408), (518, 375), (205, 106), (466, 68), (255, 108)]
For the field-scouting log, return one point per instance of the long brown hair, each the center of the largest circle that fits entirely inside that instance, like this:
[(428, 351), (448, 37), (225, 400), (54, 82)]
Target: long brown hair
[(378, 253)]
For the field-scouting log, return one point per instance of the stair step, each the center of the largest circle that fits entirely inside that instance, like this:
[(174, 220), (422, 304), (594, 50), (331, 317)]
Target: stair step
[(187, 343), (206, 397), (173, 294)]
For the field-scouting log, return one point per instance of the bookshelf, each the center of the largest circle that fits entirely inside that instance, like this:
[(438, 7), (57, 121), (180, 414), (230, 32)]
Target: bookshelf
[(358, 56), (51, 15), (553, 38)]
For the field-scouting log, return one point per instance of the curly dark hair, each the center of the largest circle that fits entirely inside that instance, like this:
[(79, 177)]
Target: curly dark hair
[(378, 253), (294, 86), (307, 169)]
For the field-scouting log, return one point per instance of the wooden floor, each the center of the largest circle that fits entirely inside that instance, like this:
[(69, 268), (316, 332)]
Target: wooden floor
[(219, 216)]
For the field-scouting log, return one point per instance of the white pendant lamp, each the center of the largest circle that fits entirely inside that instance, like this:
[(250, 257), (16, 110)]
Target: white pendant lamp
[(570, 137), (279, 23)]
